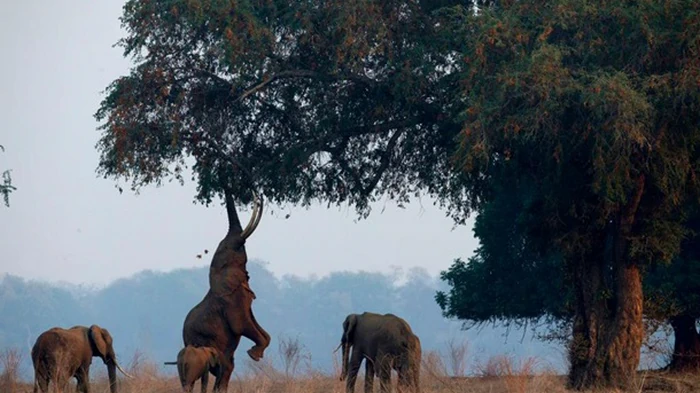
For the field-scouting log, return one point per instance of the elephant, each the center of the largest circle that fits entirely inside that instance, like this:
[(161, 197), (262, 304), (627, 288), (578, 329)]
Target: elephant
[(225, 313), (60, 354), (385, 342), (195, 363)]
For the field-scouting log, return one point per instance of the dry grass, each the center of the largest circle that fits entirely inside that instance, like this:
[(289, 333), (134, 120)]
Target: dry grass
[(10, 361), (500, 374)]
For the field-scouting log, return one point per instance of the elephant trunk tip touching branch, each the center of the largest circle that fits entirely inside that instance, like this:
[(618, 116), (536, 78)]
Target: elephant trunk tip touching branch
[(225, 313)]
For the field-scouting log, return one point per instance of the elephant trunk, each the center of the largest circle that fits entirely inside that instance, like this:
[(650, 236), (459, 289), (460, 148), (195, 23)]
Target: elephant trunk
[(112, 374), (346, 359), (416, 355)]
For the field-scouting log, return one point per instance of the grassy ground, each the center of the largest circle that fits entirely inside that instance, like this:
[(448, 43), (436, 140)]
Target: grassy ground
[(320, 384), (498, 375)]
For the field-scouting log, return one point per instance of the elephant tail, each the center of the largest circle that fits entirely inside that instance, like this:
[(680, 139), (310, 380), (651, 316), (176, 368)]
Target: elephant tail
[(170, 363)]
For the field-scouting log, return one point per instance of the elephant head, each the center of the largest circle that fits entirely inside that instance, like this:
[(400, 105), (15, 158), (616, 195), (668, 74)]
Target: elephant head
[(346, 341), (408, 367), (101, 345), (213, 360)]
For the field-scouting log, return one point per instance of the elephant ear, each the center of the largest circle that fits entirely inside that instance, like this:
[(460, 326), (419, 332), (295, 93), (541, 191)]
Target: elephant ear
[(213, 359), (98, 342), (349, 327)]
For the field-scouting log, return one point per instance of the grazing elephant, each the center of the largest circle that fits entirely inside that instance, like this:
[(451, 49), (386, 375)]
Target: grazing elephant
[(60, 354), (225, 314), (385, 342), (195, 363)]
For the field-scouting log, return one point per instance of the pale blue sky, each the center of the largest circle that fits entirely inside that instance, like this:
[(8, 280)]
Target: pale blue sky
[(66, 224)]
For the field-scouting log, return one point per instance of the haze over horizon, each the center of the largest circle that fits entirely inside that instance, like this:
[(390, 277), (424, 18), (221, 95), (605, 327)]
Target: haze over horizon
[(66, 224)]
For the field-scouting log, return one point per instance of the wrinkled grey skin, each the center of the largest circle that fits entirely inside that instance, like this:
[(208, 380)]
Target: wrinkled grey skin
[(196, 363), (385, 342), (225, 314), (61, 354)]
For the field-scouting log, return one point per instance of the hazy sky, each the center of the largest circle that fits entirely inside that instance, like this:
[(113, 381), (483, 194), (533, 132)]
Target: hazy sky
[(66, 224)]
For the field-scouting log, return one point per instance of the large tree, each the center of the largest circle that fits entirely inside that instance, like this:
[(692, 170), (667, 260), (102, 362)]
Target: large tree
[(509, 282), (590, 111), (340, 101)]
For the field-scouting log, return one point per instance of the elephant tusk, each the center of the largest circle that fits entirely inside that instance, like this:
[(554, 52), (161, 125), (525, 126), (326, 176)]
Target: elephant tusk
[(337, 348), (255, 217), (122, 371)]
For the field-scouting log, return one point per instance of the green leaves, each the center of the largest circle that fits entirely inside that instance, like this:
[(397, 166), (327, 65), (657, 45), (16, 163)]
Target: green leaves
[(338, 101)]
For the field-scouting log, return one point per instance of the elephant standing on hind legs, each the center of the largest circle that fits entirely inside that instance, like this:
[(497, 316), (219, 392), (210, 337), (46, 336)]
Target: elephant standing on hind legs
[(225, 314), (61, 354), (385, 342)]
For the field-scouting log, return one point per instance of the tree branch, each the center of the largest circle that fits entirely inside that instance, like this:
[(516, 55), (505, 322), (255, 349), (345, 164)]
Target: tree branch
[(289, 74), (383, 163)]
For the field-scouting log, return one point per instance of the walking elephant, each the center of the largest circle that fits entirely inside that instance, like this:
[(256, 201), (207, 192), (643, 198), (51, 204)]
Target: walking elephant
[(385, 342), (195, 363), (60, 354), (225, 314)]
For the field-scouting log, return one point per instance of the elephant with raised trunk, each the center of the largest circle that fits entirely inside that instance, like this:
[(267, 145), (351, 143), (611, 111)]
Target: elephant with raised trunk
[(225, 314), (61, 354), (384, 342)]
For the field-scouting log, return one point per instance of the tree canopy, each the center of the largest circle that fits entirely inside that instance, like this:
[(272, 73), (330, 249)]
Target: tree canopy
[(341, 101), (589, 114)]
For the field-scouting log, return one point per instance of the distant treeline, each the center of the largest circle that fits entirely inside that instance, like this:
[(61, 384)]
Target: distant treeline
[(145, 313)]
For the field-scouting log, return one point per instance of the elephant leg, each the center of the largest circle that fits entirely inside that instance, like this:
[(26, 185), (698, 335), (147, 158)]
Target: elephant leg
[(41, 381), (404, 381), (226, 369), (41, 384), (83, 385), (258, 335), (383, 365), (369, 375), (205, 381), (353, 368)]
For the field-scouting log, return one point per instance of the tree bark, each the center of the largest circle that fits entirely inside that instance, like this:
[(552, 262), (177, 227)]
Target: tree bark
[(608, 332), (686, 348), (608, 326)]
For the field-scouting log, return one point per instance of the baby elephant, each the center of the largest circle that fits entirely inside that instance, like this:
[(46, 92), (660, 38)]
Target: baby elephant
[(194, 363)]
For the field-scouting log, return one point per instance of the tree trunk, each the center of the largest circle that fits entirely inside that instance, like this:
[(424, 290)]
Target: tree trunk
[(608, 332), (608, 325), (686, 349)]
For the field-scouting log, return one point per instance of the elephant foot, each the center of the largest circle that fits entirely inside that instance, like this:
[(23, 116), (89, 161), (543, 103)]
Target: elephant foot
[(255, 353)]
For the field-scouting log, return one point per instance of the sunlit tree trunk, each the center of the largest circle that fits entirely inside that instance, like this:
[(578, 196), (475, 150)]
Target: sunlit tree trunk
[(608, 332), (608, 325)]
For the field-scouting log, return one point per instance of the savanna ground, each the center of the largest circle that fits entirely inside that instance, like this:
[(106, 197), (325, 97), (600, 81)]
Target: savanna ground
[(499, 374)]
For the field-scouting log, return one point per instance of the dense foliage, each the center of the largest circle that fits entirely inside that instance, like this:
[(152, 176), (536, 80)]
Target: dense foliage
[(341, 101), (589, 113), (510, 278)]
